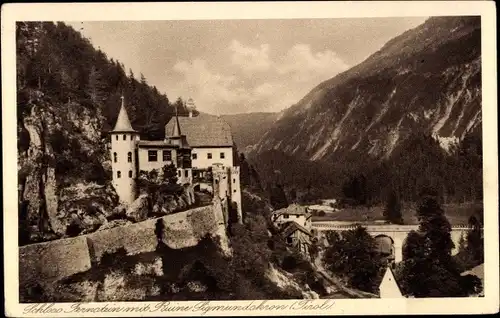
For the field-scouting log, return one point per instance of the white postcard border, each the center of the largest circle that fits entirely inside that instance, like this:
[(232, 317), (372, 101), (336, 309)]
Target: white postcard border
[(254, 10)]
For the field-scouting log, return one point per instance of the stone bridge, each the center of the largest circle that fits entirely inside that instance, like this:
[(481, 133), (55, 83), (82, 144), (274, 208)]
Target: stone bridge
[(396, 233)]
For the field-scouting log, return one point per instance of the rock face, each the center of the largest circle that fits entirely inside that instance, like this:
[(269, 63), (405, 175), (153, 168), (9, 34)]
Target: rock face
[(138, 210), (83, 208), (426, 80), (60, 151)]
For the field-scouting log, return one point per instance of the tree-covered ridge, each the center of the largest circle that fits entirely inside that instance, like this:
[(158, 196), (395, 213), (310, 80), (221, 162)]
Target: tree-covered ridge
[(57, 60), (415, 163)]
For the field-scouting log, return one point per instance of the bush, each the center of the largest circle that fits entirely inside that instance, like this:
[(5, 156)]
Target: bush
[(353, 256)]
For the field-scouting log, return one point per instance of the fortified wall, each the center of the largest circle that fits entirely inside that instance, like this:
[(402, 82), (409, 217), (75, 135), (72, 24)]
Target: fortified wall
[(45, 263)]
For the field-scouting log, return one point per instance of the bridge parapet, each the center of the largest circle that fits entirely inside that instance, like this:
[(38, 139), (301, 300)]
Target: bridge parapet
[(329, 226)]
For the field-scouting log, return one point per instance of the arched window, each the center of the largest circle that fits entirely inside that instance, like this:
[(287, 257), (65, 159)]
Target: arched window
[(115, 157), (119, 174), (130, 173), (129, 157)]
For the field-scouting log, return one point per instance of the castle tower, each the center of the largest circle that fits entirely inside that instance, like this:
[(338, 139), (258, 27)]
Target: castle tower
[(191, 107), (123, 156), (227, 187), (184, 169)]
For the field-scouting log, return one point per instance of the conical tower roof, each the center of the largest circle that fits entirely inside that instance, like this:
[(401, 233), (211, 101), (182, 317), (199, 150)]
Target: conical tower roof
[(122, 122), (176, 131)]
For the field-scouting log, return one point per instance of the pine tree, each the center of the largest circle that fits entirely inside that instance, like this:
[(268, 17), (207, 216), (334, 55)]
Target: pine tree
[(392, 211), (353, 255), (428, 270)]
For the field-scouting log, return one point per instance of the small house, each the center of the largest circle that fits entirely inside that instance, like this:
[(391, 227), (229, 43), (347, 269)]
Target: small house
[(297, 236), (293, 213)]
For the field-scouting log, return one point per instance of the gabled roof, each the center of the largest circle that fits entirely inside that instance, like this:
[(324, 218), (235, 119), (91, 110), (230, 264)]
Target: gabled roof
[(292, 209), (291, 227), (122, 122), (202, 131), (389, 280)]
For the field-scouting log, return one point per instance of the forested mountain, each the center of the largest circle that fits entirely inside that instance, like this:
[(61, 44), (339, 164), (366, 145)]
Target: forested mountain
[(428, 80), (404, 117), (249, 128), (68, 97)]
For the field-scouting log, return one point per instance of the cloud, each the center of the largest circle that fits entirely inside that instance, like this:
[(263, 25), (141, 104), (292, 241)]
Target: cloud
[(213, 90), (274, 84), (250, 59), (305, 66)]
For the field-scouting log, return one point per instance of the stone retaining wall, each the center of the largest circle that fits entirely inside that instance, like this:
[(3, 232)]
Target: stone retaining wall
[(50, 261), (44, 263)]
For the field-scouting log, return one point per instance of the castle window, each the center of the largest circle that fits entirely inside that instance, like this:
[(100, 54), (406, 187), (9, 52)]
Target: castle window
[(234, 190), (115, 157), (194, 156), (152, 155), (130, 173), (179, 173), (234, 180), (116, 137), (186, 173), (209, 155), (222, 155), (167, 155), (124, 137), (129, 157), (118, 174)]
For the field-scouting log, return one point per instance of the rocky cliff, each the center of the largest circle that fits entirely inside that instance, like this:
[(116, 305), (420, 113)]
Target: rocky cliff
[(61, 157), (426, 80)]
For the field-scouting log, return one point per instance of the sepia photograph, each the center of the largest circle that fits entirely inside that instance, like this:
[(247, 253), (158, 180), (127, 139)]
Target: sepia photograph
[(311, 160)]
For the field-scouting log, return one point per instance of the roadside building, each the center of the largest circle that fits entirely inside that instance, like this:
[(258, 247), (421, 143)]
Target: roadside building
[(293, 213)]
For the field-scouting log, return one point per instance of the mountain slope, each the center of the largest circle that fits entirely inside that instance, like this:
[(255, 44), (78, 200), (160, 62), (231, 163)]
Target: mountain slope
[(249, 128), (426, 80)]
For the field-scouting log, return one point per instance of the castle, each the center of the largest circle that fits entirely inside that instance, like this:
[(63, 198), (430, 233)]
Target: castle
[(200, 147)]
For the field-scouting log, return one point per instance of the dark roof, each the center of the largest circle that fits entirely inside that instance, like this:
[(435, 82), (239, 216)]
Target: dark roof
[(122, 122), (291, 227), (292, 209), (203, 130)]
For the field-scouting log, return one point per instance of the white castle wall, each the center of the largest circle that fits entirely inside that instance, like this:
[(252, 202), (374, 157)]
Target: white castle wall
[(202, 161), (146, 165)]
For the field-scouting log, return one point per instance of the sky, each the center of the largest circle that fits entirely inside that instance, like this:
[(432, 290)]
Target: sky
[(240, 66)]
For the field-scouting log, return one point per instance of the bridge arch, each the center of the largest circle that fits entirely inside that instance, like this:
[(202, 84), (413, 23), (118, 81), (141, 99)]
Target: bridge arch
[(385, 246)]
